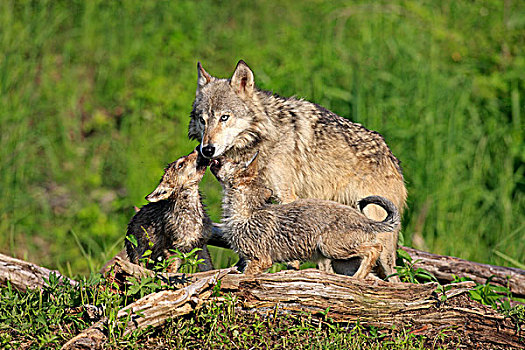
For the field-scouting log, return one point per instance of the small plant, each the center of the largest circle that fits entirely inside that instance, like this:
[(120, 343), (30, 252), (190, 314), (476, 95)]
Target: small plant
[(408, 273), (498, 297), (189, 261)]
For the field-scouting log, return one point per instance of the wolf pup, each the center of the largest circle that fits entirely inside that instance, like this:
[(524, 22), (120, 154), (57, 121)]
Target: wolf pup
[(175, 218), (305, 151), (304, 230)]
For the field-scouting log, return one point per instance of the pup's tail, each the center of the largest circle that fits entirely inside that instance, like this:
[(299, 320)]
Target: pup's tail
[(392, 220)]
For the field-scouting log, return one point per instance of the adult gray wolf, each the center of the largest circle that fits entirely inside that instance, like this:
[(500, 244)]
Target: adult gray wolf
[(304, 230), (175, 217), (305, 151)]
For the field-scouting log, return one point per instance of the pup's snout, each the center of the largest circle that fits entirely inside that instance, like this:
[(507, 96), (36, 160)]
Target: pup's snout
[(208, 151), (215, 165)]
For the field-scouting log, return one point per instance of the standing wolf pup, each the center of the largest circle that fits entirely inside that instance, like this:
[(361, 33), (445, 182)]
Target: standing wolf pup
[(305, 151), (304, 230), (175, 217)]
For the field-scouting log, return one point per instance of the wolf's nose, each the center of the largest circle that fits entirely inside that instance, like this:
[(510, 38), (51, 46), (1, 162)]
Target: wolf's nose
[(208, 151)]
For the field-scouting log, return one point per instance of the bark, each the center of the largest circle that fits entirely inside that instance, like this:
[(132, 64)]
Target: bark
[(379, 304), (23, 275), (152, 310), (424, 308), (445, 267)]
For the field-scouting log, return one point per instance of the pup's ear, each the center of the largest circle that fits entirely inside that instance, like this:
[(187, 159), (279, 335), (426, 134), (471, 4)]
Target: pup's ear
[(166, 186), (163, 191), (250, 163), (251, 167), (203, 77), (242, 80)]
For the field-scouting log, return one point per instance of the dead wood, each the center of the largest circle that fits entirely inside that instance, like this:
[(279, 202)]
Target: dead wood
[(424, 308), (377, 303), (23, 275), (445, 267), (152, 310)]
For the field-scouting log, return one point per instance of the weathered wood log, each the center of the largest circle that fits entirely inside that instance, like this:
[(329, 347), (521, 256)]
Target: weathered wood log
[(445, 267), (377, 303), (152, 310), (23, 275), (372, 302), (424, 308), (93, 337)]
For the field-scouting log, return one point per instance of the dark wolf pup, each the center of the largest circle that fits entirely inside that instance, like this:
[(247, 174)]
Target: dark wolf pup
[(304, 230), (305, 151), (175, 218)]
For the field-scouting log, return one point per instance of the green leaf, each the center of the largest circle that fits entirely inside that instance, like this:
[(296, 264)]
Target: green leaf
[(402, 254), (133, 240)]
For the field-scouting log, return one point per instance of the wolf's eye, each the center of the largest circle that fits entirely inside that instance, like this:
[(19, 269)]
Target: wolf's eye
[(202, 121), (224, 117)]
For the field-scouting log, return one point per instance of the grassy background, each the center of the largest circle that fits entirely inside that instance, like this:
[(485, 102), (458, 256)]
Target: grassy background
[(95, 98)]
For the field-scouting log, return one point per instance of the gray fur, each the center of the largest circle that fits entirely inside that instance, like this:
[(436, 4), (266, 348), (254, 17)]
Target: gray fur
[(304, 230), (305, 151), (175, 218)]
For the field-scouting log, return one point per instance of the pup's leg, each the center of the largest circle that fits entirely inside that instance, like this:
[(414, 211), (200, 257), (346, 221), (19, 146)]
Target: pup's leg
[(286, 195), (325, 264), (369, 254), (339, 249), (257, 265), (205, 255), (293, 265)]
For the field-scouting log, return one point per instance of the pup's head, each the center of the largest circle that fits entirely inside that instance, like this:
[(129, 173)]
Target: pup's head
[(231, 173), (222, 116), (185, 172)]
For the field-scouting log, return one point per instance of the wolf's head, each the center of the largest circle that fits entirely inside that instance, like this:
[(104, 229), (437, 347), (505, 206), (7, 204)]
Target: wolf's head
[(185, 172), (223, 117)]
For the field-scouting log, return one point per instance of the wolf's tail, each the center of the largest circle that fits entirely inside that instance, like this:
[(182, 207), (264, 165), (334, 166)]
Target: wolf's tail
[(392, 220)]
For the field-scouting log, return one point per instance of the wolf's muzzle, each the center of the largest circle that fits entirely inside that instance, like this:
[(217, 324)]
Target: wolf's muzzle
[(208, 151)]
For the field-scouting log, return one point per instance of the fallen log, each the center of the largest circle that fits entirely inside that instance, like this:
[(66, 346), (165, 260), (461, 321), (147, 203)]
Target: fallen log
[(445, 267), (376, 303), (152, 310), (23, 275), (427, 309)]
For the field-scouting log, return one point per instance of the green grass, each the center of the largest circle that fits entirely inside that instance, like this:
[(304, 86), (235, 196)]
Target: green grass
[(95, 98), (50, 316)]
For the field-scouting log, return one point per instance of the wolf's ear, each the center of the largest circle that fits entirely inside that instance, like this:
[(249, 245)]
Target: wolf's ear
[(242, 80), (203, 77)]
